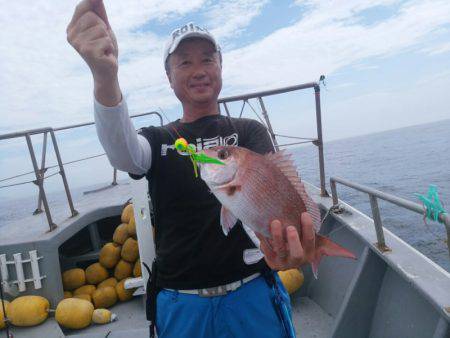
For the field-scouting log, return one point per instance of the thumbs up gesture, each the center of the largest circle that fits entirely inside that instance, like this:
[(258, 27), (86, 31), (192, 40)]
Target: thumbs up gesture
[(90, 33)]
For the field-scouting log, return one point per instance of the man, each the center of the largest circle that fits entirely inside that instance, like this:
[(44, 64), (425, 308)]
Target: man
[(194, 258)]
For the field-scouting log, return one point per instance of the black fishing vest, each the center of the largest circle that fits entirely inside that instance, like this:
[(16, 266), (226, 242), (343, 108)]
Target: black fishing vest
[(192, 252)]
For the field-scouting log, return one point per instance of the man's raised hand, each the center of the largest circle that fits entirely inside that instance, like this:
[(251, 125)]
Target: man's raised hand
[(90, 33)]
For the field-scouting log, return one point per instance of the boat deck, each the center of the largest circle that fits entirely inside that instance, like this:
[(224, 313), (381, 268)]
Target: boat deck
[(398, 293), (310, 320)]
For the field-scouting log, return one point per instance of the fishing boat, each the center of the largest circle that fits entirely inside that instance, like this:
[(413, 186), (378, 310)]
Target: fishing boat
[(391, 290)]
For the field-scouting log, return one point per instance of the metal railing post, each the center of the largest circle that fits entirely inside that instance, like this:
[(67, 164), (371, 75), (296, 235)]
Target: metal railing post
[(269, 125), (226, 109), (323, 191), (381, 244), (40, 183), (63, 174), (42, 171), (114, 182), (334, 192)]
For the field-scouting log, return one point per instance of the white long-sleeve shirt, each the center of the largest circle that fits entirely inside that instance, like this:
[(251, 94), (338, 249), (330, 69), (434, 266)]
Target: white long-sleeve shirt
[(125, 148)]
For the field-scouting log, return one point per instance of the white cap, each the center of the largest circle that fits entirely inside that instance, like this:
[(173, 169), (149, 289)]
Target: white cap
[(189, 30)]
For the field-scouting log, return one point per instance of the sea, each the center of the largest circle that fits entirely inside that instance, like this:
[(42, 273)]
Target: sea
[(400, 162)]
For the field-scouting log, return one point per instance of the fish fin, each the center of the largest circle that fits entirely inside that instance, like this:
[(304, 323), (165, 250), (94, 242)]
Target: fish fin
[(315, 268), (326, 247), (227, 220), (310, 205), (284, 162)]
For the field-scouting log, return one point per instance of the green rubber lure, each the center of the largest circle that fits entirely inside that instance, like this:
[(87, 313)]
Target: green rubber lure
[(182, 145)]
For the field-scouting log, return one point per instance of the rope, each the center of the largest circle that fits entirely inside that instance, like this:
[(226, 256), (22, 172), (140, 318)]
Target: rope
[(20, 175), (256, 113), (291, 144), (242, 109), (45, 169), (297, 138), (32, 181), (432, 205), (13, 185)]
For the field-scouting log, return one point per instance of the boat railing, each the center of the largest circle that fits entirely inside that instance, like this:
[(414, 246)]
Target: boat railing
[(39, 172), (374, 195), (317, 141)]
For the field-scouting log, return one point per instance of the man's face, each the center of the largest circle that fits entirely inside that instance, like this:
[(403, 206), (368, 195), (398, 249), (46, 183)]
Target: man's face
[(195, 72)]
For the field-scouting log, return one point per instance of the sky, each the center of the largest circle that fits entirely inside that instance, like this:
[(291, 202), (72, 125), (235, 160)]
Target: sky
[(386, 62)]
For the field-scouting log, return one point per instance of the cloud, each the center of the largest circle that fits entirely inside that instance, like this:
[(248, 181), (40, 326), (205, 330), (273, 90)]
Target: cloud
[(327, 39), (227, 19), (438, 49), (44, 81)]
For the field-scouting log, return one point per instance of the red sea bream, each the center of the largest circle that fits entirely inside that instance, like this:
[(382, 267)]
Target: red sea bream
[(258, 189)]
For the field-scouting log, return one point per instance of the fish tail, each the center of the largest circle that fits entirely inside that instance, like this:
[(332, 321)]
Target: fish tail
[(326, 247)]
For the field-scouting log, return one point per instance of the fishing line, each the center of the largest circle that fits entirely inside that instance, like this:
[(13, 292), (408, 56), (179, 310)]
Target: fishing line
[(183, 146), (173, 127)]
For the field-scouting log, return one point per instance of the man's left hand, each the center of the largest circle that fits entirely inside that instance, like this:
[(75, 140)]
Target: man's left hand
[(289, 250)]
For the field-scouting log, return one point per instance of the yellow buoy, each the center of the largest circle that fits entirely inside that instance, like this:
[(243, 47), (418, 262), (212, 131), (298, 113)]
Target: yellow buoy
[(127, 213), (292, 279), (96, 273), (74, 313), (73, 278), (84, 296), (85, 290), (120, 234), (123, 293), (104, 297), (103, 316), (28, 310), (131, 227), (68, 294), (123, 270), (110, 255), (2, 315), (137, 268), (130, 250), (112, 281)]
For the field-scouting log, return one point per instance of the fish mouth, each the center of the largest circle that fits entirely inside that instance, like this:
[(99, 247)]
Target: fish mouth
[(215, 184)]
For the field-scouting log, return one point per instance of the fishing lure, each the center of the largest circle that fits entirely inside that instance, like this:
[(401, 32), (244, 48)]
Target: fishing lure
[(182, 145)]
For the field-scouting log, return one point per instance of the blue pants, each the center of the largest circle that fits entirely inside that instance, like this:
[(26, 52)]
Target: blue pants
[(246, 312)]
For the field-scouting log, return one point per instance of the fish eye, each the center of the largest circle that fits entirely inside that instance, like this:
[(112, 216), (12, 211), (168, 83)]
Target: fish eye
[(222, 154)]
